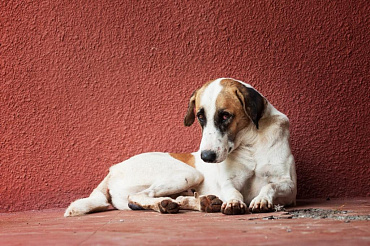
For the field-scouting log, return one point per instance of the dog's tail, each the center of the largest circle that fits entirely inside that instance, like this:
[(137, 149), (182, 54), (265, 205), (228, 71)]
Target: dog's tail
[(99, 200)]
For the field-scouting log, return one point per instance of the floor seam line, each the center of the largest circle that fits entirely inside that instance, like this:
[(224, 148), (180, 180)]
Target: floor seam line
[(90, 236)]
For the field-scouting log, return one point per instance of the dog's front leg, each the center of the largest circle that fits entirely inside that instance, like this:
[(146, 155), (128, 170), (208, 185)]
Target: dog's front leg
[(284, 192), (234, 200)]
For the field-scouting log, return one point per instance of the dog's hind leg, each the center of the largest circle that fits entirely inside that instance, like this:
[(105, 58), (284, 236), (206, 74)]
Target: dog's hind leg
[(156, 197), (97, 201), (208, 204), (142, 201)]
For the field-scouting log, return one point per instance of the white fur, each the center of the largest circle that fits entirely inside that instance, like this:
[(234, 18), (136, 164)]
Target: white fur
[(260, 171)]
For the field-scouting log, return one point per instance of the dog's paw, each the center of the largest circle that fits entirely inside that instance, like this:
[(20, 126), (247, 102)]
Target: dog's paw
[(261, 204), (234, 207), (75, 209), (210, 204), (85, 205), (168, 207)]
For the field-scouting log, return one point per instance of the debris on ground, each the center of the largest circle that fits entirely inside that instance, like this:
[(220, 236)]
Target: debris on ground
[(279, 208), (313, 213), (317, 213)]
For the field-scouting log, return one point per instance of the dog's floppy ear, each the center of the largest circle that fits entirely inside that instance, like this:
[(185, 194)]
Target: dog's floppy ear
[(253, 103), (190, 116)]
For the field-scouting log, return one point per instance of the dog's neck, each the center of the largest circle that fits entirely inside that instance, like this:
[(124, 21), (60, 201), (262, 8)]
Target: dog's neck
[(248, 136)]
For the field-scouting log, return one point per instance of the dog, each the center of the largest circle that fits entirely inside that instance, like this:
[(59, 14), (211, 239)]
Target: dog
[(244, 158)]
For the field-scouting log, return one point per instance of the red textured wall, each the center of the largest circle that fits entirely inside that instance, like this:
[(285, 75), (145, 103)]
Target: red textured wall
[(85, 85)]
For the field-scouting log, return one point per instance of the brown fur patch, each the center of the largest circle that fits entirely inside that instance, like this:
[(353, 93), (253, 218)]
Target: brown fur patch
[(187, 158), (252, 102), (228, 100)]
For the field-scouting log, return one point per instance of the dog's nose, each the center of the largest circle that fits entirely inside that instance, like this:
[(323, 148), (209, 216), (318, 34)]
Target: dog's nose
[(208, 156)]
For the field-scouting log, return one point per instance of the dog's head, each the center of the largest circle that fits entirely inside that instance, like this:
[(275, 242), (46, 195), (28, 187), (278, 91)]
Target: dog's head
[(223, 107)]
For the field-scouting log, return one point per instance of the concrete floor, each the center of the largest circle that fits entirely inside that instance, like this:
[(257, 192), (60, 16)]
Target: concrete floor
[(349, 225)]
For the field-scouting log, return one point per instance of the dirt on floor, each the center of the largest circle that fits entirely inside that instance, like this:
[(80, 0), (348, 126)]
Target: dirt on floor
[(317, 213)]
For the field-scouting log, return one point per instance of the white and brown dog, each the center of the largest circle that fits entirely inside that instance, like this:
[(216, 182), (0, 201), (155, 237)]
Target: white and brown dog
[(244, 158)]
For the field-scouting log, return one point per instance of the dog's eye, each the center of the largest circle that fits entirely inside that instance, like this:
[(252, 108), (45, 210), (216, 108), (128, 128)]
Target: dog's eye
[(225, 116), (201, 117)]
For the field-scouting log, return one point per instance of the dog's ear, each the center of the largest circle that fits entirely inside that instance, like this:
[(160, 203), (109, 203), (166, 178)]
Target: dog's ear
[(190, 116), (253, 103)]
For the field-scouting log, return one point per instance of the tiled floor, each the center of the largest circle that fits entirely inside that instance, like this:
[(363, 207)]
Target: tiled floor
[(49, 227)]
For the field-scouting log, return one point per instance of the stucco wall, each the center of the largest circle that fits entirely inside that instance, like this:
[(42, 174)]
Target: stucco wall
[(86, 84)]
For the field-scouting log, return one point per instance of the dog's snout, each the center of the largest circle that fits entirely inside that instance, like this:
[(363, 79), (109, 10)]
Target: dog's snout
[(208, 156)]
